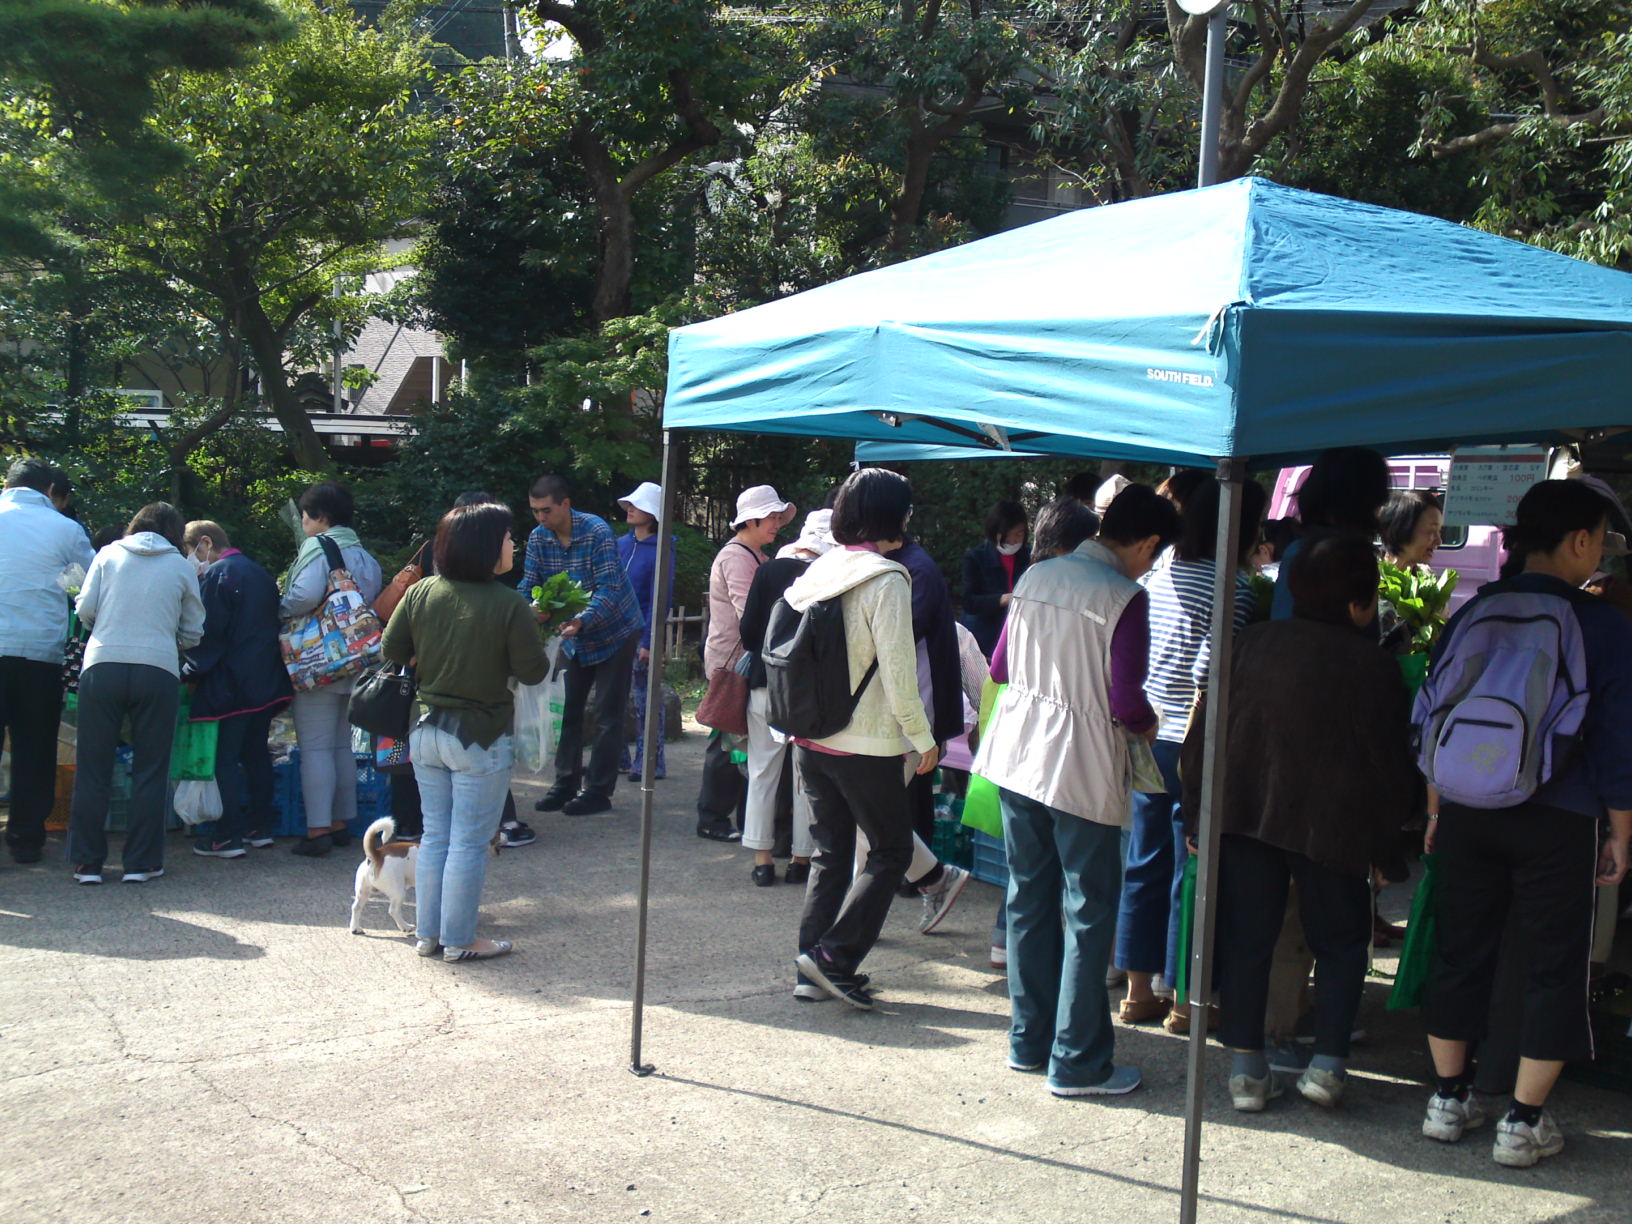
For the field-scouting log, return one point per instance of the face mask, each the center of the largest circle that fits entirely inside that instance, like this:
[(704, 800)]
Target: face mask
[(1008, 550), (199, 564)]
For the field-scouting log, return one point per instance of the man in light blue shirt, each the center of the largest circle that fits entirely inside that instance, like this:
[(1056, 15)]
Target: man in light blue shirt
[(37, 543)]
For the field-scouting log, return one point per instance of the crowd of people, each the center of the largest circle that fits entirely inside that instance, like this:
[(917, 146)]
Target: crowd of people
[(1076, 680)]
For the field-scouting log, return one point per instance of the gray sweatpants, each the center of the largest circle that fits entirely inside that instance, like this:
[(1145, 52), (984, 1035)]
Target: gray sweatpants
[(328, 771), (108, 692)]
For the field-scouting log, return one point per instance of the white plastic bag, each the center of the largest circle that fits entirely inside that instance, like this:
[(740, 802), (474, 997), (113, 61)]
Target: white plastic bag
[(198, 802), (538, 715)]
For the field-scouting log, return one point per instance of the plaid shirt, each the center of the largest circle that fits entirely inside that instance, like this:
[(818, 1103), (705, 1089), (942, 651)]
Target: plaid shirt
[(591, 560)]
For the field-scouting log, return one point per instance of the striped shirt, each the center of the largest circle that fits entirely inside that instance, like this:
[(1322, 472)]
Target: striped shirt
[(1181, 611)]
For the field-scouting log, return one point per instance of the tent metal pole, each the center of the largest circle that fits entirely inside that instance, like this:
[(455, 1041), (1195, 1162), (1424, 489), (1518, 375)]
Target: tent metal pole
[(654, 706), (1212, 98), (1231, 473)]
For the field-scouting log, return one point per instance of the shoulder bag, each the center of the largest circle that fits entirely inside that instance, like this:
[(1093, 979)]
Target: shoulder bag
[(337, 640)]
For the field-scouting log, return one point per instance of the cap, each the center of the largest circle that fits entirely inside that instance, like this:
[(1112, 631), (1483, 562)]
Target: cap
[(759, 502), (647, 496)]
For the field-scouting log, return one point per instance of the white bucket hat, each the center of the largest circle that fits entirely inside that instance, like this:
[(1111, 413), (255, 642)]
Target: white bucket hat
[(1107, 491), (816, 536), (647, 496), (761, 501)]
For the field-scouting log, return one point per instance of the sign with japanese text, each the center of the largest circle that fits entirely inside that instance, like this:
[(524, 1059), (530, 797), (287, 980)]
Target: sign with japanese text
[(1487, 482)]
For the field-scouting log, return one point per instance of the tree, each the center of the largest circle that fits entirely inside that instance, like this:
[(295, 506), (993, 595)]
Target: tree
[(79, 80), (299, 169)]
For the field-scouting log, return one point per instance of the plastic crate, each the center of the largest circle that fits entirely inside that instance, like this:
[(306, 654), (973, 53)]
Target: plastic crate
[(288, 798), (373, 796), (990, 864)]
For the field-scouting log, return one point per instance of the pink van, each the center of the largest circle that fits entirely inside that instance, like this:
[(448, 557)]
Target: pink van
[(1475, 553)]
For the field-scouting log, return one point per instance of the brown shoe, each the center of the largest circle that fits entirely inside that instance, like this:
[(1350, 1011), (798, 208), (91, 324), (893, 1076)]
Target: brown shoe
[(1178, 1021), (1143, 1011)]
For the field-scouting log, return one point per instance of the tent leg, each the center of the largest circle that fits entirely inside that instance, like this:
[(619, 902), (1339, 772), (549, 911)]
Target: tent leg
[(654, 706), (1231, 473)]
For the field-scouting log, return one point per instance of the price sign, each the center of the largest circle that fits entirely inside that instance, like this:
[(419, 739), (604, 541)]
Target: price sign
[(1487, 482)]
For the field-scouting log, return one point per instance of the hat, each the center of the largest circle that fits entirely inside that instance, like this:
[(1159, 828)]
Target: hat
[(1106, 493), (816, 536), (647, 496), (1619, 524), (759, 502)]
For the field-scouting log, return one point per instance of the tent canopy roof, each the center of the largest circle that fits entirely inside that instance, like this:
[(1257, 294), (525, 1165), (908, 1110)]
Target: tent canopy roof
[(1245, 319)]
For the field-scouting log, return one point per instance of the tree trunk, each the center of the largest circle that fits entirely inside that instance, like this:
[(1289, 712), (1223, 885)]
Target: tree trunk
[(904, 209), (266, 350)]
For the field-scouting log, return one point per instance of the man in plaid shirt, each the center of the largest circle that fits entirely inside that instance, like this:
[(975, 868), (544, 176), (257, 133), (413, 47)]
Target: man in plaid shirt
[(598, 646)]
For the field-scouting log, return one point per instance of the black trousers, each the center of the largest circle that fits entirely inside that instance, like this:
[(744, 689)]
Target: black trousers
[(109, 693), (921, 803), (602, 718), (723, 795), (409, 817), (844, 915), (243, 775), (1336, 914), (1538, 863), (30, 711)]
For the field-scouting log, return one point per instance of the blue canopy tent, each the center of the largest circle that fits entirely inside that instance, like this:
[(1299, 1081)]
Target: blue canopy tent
[(1241, 322)]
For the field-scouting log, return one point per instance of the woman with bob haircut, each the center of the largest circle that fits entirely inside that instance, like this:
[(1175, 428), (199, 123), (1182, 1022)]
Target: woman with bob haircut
[(328, 775), (1409, 526), (857, 777), (991, 570), (141, 603), (467, 637), (1319, 729)]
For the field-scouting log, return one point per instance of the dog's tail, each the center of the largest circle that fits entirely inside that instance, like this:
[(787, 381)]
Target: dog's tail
[(380, 832)]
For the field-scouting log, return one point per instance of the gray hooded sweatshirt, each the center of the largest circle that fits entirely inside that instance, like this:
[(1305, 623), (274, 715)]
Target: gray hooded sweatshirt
[(140, 601)]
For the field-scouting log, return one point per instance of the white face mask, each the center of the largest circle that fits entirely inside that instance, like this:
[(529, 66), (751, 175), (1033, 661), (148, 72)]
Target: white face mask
[(1008, 550)]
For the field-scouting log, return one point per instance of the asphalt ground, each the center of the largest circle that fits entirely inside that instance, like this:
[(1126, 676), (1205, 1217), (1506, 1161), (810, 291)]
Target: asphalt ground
[(214, 1046)]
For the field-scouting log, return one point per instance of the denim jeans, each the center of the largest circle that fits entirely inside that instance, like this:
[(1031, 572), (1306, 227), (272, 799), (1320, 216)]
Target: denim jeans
[(1147, 926), (461, 793), (1060, 866), (631, 758)]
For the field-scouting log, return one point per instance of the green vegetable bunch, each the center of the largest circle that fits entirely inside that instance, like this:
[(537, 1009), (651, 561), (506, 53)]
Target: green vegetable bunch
[(1419, 597), (561, 599)]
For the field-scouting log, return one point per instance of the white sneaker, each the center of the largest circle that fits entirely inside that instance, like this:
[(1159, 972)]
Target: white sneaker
[(939, 900), (1323, 1087), (142, 877), (1519, 1145), (1448, 1117), (1250, 1095)]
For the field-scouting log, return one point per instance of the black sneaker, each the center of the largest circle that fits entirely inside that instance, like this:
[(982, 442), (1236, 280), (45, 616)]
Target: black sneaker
[(24, 857), (587, 803), (514, 836), (259, 840), (850, 987), (806, 991), (558, 796), (719, 830)]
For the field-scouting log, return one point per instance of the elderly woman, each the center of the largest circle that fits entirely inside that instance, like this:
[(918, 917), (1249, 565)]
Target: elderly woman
[(467, 636), (328, 774)]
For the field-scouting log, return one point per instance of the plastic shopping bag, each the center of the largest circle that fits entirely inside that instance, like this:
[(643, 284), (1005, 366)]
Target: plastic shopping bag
[(1187, 927), (192, 755), (538, 716), (1421, 937), (198, 802)]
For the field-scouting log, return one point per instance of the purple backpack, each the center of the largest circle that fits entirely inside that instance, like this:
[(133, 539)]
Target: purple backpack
[(1502, 709)]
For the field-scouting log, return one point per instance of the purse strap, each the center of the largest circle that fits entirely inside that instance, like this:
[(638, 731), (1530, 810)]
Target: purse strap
[(331, 554)]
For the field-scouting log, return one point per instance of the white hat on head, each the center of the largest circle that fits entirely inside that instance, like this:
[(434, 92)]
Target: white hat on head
[(816, 536), (759, 502), (647, 496), (1106, 493)]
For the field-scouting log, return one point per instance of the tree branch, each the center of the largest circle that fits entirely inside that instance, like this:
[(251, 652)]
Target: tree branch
[(585, 31), (1496, 132)]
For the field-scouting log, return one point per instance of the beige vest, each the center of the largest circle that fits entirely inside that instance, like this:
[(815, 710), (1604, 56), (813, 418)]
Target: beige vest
[(1052, 737)]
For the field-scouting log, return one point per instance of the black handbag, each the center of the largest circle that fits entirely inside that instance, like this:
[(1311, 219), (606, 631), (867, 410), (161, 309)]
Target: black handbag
[(382, 703)]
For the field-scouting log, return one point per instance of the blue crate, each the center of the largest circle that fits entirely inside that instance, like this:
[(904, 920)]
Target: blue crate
[(288, 798), (373, 796), (991, 861)]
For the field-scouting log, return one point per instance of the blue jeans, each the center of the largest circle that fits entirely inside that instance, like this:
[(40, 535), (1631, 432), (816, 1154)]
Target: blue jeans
[(1147, 927), (638, 679), (1060, 866), (461, 792)]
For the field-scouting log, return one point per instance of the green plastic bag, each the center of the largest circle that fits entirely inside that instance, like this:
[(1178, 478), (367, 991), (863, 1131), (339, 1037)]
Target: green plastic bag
[(1187, 927), (1421, 937), (981, 810), (192, 757)]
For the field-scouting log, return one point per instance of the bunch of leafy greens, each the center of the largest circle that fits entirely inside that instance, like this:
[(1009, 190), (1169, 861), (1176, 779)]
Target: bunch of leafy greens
[(560, 599), (1419, 597)]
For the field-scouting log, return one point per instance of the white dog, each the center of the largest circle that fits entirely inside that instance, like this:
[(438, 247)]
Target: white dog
[(387, 866)]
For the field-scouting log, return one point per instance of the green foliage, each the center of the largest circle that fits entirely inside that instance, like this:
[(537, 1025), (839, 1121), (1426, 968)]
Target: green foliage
[(1419, 596), (560, 599)]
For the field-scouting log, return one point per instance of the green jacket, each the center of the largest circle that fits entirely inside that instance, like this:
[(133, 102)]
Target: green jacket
[(467, 639)]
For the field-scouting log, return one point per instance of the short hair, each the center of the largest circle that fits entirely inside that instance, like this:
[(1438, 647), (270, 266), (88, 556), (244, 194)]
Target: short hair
[(1002, 518), (161, 518), (1137, 513), (1279, 535), (1400, 515), (200, 529), (1345, 489), (476, 497), (328, 500), (470, 541), (1198, 537), (1328, 574), (1550, 511), (1081, 486), (111, 534), (1061, 525), (872, 504), (553, 487), (39, 475), (1183, 484)]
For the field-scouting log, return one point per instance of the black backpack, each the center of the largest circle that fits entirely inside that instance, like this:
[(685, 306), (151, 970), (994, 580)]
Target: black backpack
[(807, 670)]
